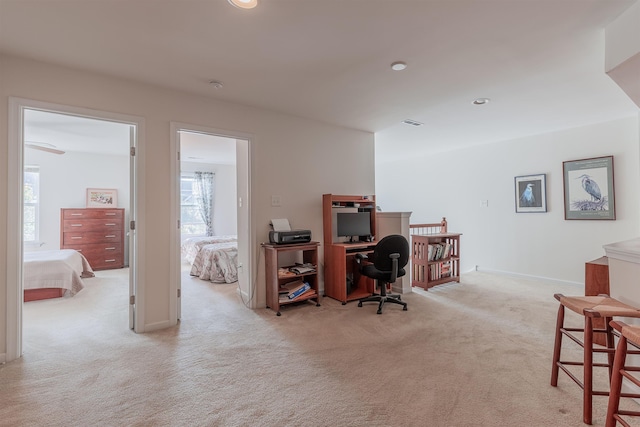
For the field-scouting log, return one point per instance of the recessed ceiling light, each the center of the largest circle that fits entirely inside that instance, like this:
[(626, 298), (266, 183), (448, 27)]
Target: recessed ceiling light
[(398, 66), (216, 84), (481, 101), (244, 4), (412, 122)]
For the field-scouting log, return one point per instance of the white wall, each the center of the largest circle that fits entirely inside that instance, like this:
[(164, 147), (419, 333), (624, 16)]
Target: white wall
[(64, 180), (294, 158), (452, 184), (225, 212)]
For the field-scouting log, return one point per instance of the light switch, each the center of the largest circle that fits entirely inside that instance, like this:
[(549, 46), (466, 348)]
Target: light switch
[(484, 203)]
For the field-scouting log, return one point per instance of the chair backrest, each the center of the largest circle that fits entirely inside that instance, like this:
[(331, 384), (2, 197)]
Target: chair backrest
[(394, 243)]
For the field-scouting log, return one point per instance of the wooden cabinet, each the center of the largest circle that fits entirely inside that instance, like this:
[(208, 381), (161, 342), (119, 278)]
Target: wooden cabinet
[(97, 233), (435, 258), (342, 280), (278, 274), (596, 282)]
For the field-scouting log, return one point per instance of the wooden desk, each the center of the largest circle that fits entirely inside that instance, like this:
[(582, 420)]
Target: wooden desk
[(596, 281), (341, 264)]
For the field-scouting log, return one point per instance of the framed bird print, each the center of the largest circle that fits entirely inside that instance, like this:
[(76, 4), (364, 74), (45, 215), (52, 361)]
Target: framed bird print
[(531, 193), (588, 189)]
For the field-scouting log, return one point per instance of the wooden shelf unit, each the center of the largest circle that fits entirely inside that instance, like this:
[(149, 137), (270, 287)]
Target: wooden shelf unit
[(308, 253), (342, 280), (425, 273)]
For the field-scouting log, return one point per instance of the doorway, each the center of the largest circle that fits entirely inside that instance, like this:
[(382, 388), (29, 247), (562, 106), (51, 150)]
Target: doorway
[(212, 239), (54, 144)]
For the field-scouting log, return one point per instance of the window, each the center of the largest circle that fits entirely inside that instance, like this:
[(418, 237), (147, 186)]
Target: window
[(31, 196), (191, 222)]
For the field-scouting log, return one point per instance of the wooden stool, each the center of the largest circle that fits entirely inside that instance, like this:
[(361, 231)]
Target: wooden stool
[(591, 307), (630, 334)]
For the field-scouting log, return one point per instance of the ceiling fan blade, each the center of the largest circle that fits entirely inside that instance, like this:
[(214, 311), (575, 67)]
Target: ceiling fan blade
[(41, 148)]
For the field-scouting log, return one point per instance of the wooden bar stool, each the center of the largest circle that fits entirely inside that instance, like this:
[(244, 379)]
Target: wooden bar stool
[(591, 307), (628, 335)]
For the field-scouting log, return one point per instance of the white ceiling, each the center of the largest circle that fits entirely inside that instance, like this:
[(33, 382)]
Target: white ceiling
[(540, 61), (85, 135)]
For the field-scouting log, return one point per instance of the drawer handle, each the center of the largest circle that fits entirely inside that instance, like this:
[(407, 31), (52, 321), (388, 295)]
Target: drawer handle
[(110, 223), (76, 214), (110, 213), (76, 237), (109, 260), (110, 235), (109, 249), (76, 225)]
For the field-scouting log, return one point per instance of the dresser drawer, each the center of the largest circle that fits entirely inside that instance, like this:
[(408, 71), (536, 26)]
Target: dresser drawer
[(86, 237), (102, 225), (93, 213), (101, 255)]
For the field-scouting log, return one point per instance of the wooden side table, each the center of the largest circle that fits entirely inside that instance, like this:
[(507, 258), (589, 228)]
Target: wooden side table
[(596, 281)]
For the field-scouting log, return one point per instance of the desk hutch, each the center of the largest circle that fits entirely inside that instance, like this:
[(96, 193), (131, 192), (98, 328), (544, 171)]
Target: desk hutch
[(342, 280)]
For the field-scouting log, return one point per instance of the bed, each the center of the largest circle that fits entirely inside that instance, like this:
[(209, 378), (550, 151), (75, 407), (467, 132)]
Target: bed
[(213, 258), (53, 274), (192, 245)]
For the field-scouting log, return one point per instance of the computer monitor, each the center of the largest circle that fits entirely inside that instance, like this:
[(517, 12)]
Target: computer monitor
[(353, 224)]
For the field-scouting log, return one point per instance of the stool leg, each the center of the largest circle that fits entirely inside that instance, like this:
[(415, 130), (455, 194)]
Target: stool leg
[(616, 381), (557, 346), (588, 370), (610, 344)]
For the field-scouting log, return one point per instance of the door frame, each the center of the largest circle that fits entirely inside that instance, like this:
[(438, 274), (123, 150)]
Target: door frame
[(246, 239), (14, 301)]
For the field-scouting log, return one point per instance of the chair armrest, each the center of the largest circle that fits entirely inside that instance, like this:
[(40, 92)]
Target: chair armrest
[(394, 267)]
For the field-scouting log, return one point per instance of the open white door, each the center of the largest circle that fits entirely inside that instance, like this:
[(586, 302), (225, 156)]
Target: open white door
[(132, 227)]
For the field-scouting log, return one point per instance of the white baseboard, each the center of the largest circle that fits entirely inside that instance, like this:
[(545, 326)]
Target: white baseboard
[(526, 276)]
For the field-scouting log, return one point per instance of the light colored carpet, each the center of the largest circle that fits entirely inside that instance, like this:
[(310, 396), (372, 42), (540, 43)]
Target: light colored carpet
[(476, 353)]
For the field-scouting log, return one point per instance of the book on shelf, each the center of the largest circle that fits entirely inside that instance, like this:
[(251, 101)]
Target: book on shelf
[(306, 294), (299, 291), (284, 272), (291, 290), (304, 268)]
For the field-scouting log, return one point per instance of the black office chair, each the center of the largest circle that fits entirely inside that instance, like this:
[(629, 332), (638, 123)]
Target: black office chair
[(388, 260)]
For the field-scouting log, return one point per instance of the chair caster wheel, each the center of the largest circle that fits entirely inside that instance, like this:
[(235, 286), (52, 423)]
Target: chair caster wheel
[(344, 303), (359, 303), (404, 309), (379, 311), (278, 314)]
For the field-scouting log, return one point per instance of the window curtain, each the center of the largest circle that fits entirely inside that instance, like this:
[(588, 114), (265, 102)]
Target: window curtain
[(204, 184)]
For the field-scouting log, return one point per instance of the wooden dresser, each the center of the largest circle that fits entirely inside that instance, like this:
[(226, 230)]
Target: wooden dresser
[(97, 233)]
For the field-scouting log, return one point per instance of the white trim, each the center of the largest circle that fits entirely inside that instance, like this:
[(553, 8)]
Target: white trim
[(174, 253), (14, 210), (628, 250), (526, 276)]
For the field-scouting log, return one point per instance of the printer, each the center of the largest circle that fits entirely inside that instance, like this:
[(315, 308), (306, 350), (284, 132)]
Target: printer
[(289, 237)]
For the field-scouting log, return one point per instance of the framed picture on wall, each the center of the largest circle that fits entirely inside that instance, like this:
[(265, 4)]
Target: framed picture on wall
[(588, 189), (531, 193), (102, 198)]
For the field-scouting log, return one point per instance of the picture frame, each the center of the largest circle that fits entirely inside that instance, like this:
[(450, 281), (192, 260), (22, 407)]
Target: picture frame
[(589, 191), (102, 198), (531, 193)]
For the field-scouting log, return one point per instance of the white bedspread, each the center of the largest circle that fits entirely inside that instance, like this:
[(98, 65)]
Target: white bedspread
[(192, 245), (63, 269), (217, 262)]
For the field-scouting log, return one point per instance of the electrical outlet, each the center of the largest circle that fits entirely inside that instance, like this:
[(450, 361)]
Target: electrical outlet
[(276, 201), (484, 203)]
